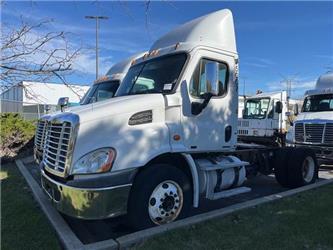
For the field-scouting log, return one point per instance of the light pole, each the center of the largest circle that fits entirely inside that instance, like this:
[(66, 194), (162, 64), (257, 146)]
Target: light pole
[(97, 27)]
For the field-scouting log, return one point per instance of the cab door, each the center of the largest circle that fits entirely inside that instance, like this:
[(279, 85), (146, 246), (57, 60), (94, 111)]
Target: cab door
[(214, 127)]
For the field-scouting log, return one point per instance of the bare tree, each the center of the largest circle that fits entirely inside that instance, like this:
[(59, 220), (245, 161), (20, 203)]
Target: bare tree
[(31, 52)]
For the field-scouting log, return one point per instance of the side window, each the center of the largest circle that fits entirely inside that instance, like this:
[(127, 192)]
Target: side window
[(199, 85)]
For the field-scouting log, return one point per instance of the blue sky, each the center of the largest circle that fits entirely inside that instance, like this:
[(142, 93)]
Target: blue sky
[(275, 40)]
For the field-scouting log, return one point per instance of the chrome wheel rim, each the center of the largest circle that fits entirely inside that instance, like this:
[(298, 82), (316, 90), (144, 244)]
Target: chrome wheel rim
[(308, 169), (165, 202)]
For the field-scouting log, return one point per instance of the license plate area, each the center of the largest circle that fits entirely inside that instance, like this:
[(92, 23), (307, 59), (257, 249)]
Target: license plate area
[(51, 190)]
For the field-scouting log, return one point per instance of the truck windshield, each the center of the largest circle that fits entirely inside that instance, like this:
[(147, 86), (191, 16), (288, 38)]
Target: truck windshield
[(318, 103), (256, 108), (154, 76), (100, 91)]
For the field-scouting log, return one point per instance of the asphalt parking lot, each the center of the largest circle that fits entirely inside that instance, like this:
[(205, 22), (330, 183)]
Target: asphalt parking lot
[(99, 230)]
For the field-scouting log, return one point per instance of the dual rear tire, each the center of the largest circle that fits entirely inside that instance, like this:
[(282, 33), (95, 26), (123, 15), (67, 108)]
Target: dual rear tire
[(295, 167)]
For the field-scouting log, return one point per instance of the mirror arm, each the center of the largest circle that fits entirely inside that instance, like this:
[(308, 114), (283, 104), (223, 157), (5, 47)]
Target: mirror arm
[(197, 107)]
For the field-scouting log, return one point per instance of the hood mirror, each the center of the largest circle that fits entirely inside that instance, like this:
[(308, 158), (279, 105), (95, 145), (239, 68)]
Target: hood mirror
[(63, 102), (295, 109)]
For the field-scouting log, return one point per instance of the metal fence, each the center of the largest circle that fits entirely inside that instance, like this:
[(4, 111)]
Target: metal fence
[(28, 110)]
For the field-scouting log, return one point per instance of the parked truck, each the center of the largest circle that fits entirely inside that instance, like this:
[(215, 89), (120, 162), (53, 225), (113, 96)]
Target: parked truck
[(266, 118), (102, 89), (168, 139), (313, 127)]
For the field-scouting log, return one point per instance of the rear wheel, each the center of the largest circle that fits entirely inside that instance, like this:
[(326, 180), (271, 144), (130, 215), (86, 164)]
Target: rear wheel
[(295, 167), (160, 194), (281, 166), (302, 167)]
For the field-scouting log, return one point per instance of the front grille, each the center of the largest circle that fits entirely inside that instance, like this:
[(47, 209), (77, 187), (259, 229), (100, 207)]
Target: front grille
[(40, 135), (328, 139), (243, 132), (299, 132), (57, 146), (316, 133)]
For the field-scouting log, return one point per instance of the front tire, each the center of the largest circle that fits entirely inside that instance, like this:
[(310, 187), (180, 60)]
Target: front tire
[(160, 194)]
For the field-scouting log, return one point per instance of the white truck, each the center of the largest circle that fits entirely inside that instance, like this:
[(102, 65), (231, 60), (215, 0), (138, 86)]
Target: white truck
[(102, 89), (313, 127), (266, 118), (167, 139)]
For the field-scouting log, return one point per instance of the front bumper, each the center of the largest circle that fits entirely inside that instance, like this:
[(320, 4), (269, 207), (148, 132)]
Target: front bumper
[(86, 203)]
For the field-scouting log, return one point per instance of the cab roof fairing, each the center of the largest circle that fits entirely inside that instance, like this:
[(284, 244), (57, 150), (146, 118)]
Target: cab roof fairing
[(324, 85), (214, 30)]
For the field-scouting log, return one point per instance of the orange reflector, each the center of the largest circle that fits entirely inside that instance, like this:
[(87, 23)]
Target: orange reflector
[(176, 137)]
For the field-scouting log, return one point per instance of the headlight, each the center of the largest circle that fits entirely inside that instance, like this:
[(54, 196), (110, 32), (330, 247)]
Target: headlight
[(97, 161)]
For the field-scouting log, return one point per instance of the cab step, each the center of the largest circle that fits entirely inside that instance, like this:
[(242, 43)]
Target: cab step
[(229, 193)]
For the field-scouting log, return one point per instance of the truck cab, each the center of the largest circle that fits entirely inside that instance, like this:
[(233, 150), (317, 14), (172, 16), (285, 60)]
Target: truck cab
[(313, 127), (167, 139), (265, 118)]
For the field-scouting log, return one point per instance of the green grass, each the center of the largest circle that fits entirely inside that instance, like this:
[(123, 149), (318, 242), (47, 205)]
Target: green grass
[(304, 221), (23, 224)]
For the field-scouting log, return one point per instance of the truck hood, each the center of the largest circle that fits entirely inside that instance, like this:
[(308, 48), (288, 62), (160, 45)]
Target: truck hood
[(117, 105), (315, 116)]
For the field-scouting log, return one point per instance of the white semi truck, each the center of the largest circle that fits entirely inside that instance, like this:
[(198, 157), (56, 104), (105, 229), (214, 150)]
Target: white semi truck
[(266, 118), (168, 138), (313, 127), (102, 89)]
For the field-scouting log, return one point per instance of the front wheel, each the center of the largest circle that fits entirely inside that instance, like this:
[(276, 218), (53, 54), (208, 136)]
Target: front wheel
[(160, 194)]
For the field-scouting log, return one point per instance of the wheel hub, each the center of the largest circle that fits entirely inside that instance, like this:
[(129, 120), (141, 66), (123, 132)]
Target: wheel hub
[(308, 169), (165, 202)]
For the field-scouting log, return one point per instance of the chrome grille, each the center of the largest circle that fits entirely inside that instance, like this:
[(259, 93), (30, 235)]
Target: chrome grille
[(328, 138), (40, 134), (316, 133), (299, 132), (57, 146)]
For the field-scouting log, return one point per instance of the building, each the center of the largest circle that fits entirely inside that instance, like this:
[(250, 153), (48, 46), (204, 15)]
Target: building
[(33, 99)]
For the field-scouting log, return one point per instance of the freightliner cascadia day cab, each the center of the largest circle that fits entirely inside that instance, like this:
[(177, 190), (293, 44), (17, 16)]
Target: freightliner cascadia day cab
[(313, 127), (102, 89), (168, 139), (266, 118)]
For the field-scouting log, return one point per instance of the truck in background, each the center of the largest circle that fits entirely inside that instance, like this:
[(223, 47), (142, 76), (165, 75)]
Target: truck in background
[(313, 127), (266, 118), (102, 89), (167, 140)]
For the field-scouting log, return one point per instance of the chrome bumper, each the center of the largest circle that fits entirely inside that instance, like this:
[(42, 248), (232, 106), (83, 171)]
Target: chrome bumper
[(86, 203)]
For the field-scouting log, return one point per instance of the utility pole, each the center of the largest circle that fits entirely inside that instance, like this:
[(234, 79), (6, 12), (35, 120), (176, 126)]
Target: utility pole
[(97, 18)]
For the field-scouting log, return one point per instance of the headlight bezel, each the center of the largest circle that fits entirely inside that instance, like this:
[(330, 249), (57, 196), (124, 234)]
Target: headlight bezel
[(104, 167)]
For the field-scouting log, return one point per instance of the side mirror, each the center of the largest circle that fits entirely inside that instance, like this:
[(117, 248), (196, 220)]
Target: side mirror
[(278, 107), (212, 79), (295, 109), (211, 85), (63, 102)]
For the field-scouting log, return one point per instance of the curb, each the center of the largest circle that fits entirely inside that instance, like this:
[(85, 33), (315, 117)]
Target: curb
[(130, 240), (66, 236)]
